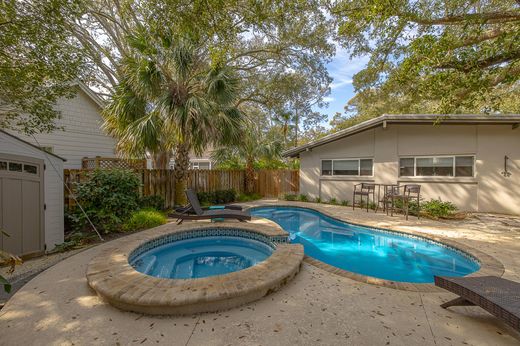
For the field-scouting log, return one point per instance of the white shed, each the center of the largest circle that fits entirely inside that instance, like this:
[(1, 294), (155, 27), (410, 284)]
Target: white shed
[(31, 197)]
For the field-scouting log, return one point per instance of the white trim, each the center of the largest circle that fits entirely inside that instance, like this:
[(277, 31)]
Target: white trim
[(454, 157), (91, 94), (358, 159)]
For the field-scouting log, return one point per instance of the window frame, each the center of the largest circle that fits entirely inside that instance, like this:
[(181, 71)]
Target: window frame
[(454, 166), (358, 159)]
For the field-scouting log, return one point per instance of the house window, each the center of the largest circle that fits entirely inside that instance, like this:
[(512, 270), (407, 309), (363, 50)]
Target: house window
[(464, 166), (15, 167), (350, 167), (31, 169), (3, 166), (326, 167), (200, 165), (434, 167), (437, 166), (407, 167)]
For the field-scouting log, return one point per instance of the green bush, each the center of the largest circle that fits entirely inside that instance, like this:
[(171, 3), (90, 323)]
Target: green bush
[(317, 200), (108, 197), (290, 197), (303, 198), (248, 197), (144, 219), (152, 202), (438, 208), (217, 197), (333, 201), (345, 203)]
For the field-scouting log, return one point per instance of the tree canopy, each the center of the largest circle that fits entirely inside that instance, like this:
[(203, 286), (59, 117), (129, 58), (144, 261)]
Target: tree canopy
[(38, 62), (438, 56)]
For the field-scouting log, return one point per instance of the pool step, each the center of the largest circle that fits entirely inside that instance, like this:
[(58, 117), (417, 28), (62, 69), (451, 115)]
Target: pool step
[(183, 269), (149, 265)]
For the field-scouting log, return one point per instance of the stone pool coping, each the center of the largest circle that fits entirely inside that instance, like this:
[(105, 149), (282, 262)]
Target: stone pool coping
[(116, 281), (489, 266)]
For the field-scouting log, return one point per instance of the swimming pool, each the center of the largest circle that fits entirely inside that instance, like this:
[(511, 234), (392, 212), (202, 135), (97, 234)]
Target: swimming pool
[(201, 257), (363, 250)]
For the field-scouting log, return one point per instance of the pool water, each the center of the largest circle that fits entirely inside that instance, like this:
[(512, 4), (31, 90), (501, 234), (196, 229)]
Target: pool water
[(201, 257), (365, 250)]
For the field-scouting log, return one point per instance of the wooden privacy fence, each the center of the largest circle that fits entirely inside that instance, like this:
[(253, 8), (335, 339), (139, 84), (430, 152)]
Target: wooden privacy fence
[(268, 183)]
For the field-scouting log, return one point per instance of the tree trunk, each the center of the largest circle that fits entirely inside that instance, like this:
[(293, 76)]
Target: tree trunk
[(161, 160), (180, 171), (250, 176)]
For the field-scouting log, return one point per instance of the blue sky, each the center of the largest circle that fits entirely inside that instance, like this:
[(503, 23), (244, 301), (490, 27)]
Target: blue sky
[(341, 69)]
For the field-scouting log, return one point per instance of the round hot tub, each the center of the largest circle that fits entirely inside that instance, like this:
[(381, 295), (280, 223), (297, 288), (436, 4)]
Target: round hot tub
[(194, 268), (202, 257)]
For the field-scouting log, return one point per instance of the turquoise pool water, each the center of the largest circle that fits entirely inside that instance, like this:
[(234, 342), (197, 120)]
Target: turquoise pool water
[(365, 250), (201, 257)]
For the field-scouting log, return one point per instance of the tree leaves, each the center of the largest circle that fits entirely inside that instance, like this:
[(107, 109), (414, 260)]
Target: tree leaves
[(38, 62), (433, 56)]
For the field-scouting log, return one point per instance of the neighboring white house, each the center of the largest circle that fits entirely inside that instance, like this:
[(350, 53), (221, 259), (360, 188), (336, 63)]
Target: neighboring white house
[(80, 134), (470, 160), (202, 161), (31, 197)]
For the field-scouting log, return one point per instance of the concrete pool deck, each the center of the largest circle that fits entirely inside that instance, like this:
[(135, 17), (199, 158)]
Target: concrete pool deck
[(316, 308)]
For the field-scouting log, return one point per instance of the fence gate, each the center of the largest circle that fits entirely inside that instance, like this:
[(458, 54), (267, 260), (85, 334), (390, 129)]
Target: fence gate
[(21, 204)]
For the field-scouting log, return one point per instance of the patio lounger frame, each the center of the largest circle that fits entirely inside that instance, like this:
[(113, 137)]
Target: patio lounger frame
[(201, 214), (499, 297)]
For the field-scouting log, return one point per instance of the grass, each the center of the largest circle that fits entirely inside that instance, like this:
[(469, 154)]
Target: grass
[(248, 197), (143, 219)]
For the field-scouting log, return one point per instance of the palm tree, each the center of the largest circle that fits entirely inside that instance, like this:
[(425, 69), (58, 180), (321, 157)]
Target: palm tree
[(253, 146), (172, 99)]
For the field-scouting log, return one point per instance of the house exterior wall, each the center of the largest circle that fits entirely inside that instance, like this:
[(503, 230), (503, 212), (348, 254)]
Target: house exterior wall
[(487, 191), (81, 134), (53, 187)]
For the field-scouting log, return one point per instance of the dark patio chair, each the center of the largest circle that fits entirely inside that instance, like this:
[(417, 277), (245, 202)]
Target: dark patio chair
[(410, 193), (188, 209), (201, 214), (389, 190), (364, 190), (498, 296)]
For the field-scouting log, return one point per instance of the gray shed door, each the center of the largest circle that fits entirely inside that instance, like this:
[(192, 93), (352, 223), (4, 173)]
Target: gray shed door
[(21, 204)]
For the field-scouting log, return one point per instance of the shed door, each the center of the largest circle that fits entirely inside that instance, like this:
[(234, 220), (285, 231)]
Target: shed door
[(21, 204)]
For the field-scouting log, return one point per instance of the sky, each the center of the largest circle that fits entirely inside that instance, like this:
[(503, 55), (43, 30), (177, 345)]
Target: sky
[(341, 69)]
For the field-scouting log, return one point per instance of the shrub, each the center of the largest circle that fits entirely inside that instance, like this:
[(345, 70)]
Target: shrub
[(303, 198), (333, 201), (217, 197), (438, 208), (290, 197), (144, 219), (108, 197), (247, 197), (317, 200), (345, 203), (152, 202)]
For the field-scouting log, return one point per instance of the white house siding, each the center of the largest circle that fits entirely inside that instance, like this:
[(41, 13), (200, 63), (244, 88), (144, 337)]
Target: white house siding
[(53, 186), (81, 134), (487, 191)]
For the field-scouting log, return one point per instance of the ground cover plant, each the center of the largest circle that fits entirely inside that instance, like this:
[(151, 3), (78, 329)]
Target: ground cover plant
[(144, 219)]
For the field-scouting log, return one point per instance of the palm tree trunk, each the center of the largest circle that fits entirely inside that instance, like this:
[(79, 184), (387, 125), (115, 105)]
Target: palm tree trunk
[(161, 159), (250, 176), (180, 171)]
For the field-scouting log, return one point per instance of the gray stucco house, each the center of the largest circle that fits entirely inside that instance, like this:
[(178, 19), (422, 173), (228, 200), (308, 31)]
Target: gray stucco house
[(472, 160)]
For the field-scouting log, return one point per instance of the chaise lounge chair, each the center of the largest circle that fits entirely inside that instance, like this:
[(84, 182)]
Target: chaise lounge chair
[(189, 208), (201, 214), (499, 297)]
